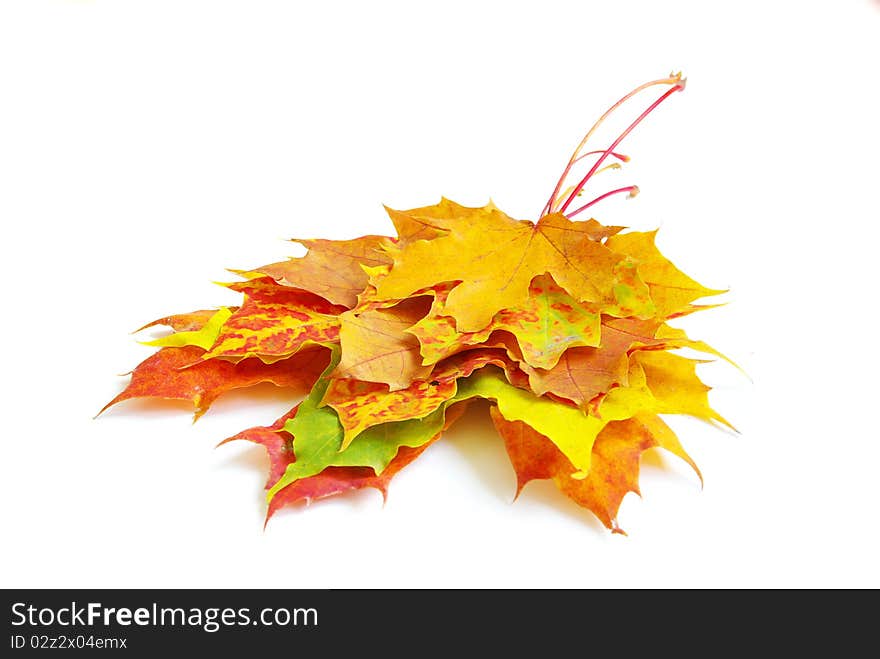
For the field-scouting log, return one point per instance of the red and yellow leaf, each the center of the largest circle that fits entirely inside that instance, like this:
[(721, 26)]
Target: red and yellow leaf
[(178, 373), (203, 337), (185, 322), (275, 322), (361, 405)]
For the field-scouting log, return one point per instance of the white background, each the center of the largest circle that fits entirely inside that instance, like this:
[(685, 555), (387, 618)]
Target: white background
[(146, 146)]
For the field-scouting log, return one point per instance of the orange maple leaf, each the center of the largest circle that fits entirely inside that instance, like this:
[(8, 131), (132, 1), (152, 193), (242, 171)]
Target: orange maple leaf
[(178, 373), (614, 468)]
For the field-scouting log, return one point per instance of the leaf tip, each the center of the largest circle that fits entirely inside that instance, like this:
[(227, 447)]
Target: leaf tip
[(615, 529), (118, 399), (225, 441), (200, 409), (717, 418)]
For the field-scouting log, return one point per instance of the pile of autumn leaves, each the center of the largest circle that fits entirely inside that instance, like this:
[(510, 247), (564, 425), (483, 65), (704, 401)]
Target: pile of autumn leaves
[(560, 324)]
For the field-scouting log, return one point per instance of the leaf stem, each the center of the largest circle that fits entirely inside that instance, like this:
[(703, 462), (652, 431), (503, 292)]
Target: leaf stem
[(577, 156), (633, 190), (677, 87)]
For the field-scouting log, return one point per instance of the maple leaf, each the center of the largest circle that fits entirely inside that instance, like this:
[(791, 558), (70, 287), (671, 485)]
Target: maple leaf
[(361, 405), (336, 480), (428, 222), (615, 462), (332, 480), (548, 322), (330, 268), (671, 290), (495, 257), (674, 337), (436, 220), (186, 322), (274, 322), (276, 442), (584, 373), (178, 373), (377, 348), (202, 334), (319, 435), (572, 431), (675, 386)]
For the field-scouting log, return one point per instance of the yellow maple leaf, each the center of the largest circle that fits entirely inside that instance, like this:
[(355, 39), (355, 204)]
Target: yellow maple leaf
[(495, 258)]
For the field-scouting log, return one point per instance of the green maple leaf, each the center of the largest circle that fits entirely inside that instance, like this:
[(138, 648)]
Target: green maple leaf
[(318, 437)]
